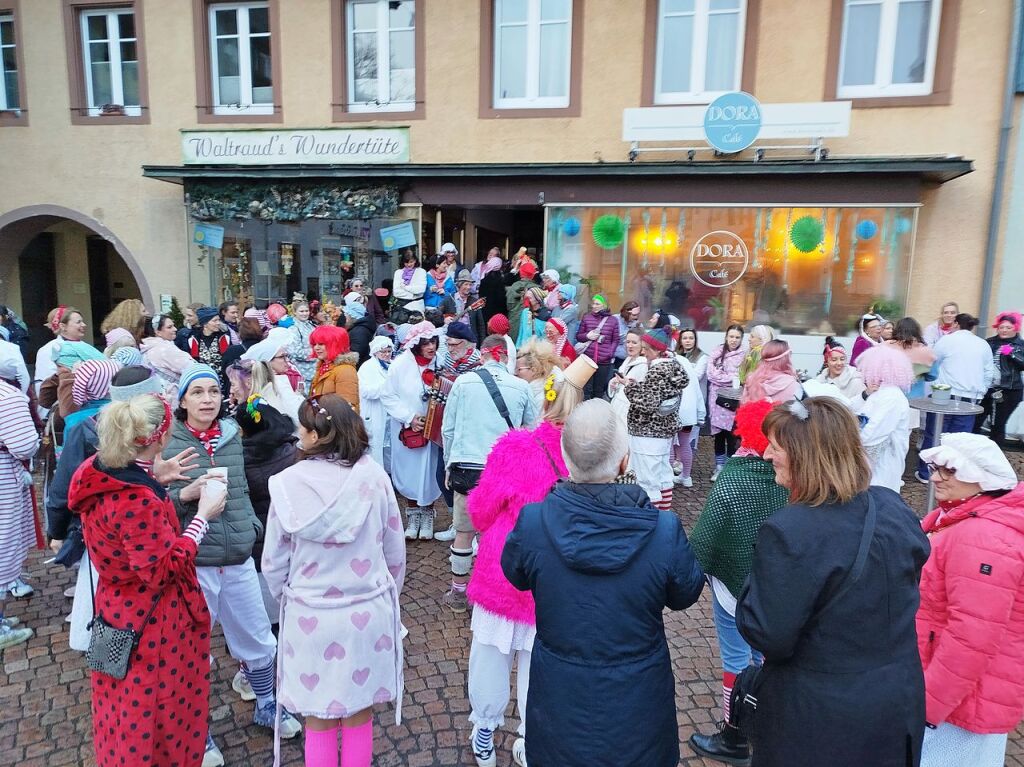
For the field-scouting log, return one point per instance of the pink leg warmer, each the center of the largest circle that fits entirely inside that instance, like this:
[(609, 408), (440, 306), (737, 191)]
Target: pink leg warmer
[(357, 745), (684, 452), (322, 747)]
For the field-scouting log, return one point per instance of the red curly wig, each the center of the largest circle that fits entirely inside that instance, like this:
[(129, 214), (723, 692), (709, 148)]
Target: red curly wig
[(333, 337), (749, 420)]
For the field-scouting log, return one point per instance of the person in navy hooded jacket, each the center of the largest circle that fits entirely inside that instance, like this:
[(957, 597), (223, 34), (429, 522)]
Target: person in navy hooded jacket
[(602, 564)]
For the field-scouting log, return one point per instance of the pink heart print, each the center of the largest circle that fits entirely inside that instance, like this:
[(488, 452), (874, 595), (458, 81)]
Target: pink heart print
[(289, 650), (337, 709), (334, 591), (360, 620), (360, 566), (334, 650), (395, 523), (309, 681), (308, 571), (333, 544), (308, 625), (384, 643), (360, 675)]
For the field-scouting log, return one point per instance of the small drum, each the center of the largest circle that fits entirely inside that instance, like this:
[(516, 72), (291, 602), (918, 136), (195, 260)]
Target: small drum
[(437, 398)]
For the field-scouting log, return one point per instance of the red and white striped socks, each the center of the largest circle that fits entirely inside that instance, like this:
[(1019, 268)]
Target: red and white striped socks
[(728, 680), (665, 503)]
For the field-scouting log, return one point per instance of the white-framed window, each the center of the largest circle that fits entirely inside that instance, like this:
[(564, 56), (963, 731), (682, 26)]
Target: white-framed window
[(240, 59), (532, 53), (888, 48), (110, 61), (9, 96), (699, 53), (381, 51)]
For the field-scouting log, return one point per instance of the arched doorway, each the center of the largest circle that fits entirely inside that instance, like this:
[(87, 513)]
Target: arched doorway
[(52, 255)]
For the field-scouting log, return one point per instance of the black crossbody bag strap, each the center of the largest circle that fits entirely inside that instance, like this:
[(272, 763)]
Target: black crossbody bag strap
[(492, 389), (92, 594)]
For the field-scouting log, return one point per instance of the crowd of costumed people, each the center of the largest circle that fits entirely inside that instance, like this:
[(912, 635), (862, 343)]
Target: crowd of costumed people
[(265, 470)]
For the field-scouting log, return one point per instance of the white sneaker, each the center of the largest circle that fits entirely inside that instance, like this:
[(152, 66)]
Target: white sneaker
[(715, 473), (519, 752), (69, 592), (446, 535), (412, 527), (241, 685), (489, 759), (19, 589), (426, 524), (289, 727), (10, 621), (10, 636), (212, 757), (686, 481)]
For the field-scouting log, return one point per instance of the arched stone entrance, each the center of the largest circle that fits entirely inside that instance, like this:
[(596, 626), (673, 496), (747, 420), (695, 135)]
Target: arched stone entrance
[(53, 255)]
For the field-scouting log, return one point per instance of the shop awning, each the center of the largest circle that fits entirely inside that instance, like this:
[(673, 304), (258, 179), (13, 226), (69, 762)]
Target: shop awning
[(933, 169)]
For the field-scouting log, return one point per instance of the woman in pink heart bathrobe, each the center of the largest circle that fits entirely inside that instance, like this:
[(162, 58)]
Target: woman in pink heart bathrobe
[(335, 558)]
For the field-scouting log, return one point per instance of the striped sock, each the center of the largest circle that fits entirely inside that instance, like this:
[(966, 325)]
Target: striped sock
[(728, 680), (665, 504), (483, 743), (720, 459), (262, 682)]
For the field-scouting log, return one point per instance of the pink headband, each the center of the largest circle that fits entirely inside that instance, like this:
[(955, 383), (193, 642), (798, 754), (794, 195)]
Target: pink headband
[(55, 323), (779, 356)]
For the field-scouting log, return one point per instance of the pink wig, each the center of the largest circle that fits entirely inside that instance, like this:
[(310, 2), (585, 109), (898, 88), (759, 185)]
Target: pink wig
[(886, 365), (774, 377), (1013, 318)]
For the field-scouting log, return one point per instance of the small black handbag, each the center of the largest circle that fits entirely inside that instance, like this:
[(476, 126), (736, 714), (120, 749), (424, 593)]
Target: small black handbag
[(110, 649)]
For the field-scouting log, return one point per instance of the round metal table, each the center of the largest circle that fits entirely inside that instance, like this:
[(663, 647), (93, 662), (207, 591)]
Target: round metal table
[(940, 409)]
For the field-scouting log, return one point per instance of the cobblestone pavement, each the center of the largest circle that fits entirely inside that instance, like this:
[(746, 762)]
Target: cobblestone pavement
[(44, 688)]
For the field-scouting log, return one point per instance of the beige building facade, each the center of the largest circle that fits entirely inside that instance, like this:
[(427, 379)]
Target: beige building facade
[(510, 114)]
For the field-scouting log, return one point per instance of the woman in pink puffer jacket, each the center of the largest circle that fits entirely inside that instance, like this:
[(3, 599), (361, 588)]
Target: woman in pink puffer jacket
[(970, 625)]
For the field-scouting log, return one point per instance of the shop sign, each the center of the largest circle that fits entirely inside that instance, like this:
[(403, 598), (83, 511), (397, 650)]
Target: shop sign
[(719, 258), (729, 123), (321, 146), (210, 235), (732, 122), (398, 236)]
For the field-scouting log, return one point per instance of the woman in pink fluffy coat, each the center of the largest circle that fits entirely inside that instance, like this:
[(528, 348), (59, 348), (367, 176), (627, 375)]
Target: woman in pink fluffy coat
[(521, 468)]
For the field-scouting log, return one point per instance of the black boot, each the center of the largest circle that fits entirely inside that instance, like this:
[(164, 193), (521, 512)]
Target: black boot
[(727, 745)]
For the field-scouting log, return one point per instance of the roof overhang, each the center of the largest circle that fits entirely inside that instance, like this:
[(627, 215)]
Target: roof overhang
[(933, 169)]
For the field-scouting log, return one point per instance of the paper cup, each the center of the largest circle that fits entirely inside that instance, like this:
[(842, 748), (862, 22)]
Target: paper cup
[(219, 471)]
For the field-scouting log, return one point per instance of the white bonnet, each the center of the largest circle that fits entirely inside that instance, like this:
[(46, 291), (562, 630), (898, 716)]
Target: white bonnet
[(974, 458)]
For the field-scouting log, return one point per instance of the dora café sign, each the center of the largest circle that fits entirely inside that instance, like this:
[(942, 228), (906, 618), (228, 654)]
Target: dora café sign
[(318, 146)]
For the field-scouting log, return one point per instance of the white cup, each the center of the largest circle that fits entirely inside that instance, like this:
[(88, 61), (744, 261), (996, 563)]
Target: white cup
[(213, 490), (219, 471)]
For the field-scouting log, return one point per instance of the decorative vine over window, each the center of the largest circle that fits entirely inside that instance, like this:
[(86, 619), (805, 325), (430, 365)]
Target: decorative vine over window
[(289, 202)]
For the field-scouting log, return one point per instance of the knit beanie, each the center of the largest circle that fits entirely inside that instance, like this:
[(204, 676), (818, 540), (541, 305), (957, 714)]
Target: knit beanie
[(206, 313), (133, 381), (128, 356), (498, 324), (195, 372), (657, 339)]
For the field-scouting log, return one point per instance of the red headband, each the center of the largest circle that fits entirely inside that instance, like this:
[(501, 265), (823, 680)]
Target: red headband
[(160, 430), (495, 352), (57, 318)]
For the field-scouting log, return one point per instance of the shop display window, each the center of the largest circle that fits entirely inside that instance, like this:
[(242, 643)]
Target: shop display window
[(803, 270)]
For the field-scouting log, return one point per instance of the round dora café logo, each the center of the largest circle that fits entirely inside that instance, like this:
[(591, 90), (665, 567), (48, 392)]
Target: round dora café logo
[(719, 258)]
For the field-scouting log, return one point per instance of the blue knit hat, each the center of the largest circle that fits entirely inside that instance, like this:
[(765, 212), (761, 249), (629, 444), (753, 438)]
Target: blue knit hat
[(206, 313), (657, 339), (128, 356), (462, 331), (194, 372)]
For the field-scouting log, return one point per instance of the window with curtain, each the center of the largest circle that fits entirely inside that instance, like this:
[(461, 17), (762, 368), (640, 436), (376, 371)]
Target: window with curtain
[(699, 52), (381, 55), (888, 48), (240, 58), (532, 51), (9, 97), (110, 62)]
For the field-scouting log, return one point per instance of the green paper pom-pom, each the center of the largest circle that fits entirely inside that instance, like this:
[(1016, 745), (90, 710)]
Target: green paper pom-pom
[(608, 231), (806, 233)]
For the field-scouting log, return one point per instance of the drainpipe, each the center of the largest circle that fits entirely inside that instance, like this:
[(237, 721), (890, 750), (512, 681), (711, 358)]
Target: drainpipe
[(1005, 129)]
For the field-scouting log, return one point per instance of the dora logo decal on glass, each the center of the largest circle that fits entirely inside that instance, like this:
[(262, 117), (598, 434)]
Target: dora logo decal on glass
[(719, 258)]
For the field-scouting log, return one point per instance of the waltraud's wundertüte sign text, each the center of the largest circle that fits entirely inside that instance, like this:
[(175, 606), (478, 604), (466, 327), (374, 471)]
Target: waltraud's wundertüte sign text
[(327, 146)]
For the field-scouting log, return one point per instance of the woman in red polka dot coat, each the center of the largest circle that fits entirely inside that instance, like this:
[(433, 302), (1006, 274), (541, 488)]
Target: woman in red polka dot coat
[(157, 714)]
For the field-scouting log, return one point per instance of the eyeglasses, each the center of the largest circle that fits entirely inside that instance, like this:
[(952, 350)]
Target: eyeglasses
[(943, 471), (279, 357)]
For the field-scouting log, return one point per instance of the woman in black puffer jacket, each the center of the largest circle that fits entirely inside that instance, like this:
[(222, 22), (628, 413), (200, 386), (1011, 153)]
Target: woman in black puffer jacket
[(1008, 388), (268, 445)]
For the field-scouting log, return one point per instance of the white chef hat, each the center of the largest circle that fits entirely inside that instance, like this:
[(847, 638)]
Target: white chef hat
[(267, 349), (974, 458)]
